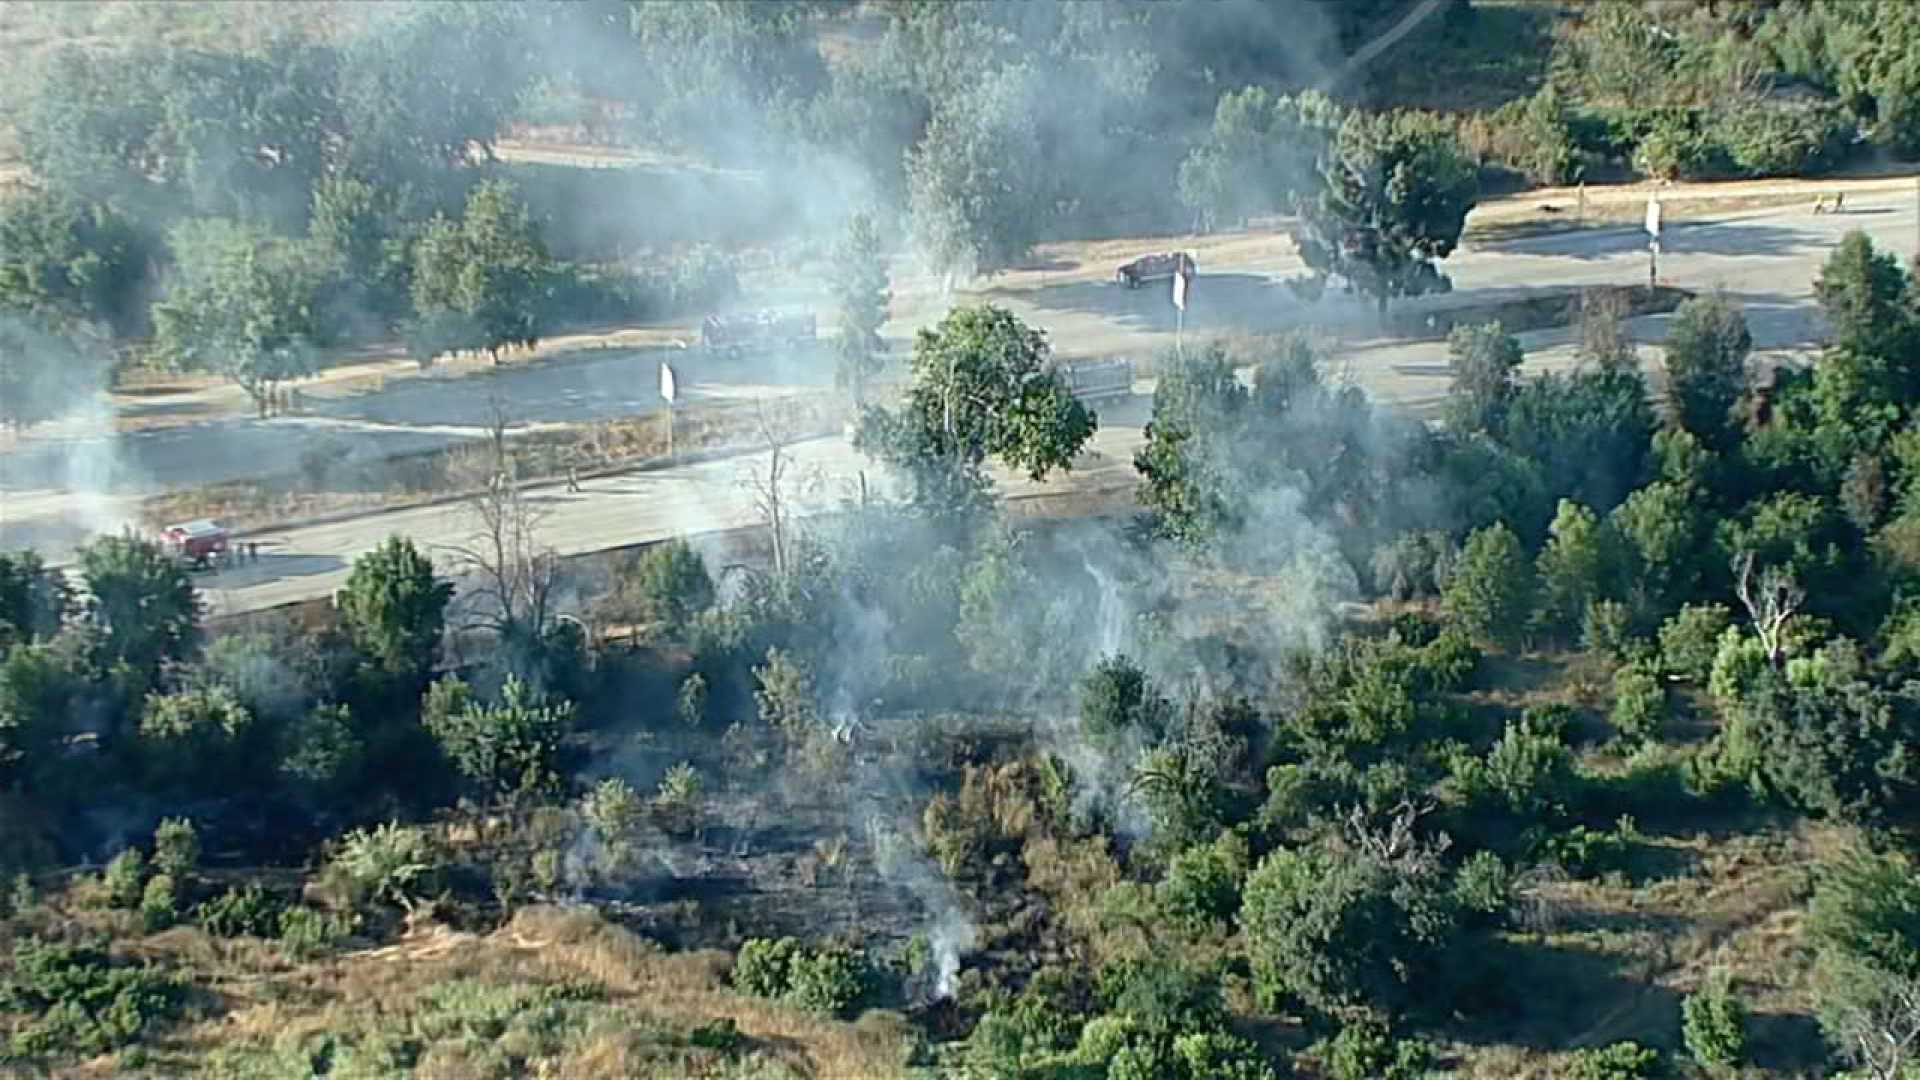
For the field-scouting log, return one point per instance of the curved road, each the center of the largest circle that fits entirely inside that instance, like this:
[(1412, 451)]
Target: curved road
[(1765, 259)]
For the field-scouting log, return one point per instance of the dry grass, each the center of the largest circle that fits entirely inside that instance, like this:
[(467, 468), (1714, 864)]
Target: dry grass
[(540, 456), (652, 1000)]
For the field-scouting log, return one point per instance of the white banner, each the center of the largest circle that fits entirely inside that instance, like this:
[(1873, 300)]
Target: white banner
[(1180, 288), (666, 381), (1653, 217)]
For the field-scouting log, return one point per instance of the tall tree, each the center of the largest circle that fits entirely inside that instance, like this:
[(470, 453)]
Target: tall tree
[(982, 387), (1483, 360), (1491, 594), (1258, 156), (241, 302), (859, 286), (45, 373), (1706, 354), (142, 599), (975, 198), (71, 259), (394, 607), (34, 599), (1393, 198), (484, 273)]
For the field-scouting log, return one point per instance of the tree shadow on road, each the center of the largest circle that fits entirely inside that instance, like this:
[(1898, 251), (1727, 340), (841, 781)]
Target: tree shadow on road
[(1722, 239)]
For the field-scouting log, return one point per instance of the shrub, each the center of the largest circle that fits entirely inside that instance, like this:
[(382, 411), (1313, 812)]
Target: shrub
[(827, 982), (1639, 703), (1483, 886), (1690, 640), (1621, 1061), (306, 933), (158, 905), (761, 967), (1217, 1055), (1714, 1023), (1607, 629), (1672, 148), (1117, 698), (690, 701), (245, 912), (82, 1003), (1772, 140), (176, 848), (1203, 883), (1585, 852), (124, 878), (382, 864)]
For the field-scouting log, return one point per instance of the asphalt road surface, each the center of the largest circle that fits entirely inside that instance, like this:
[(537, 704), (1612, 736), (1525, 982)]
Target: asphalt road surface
[(1764, 259)]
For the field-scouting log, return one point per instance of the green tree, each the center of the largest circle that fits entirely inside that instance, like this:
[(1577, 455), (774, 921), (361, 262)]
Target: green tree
[(1713, 1023), (1117, 699), (859, 287), (34, 599), (1483, 359), (1492, 591), (1193, 494), (482, 275), (176, 847), (189, 737), (510, 747), (982, 387), (1864, 295), (1335, 931), (420, 90), (666, 584), (394, 608), (1664, 533), (1576, 567), (241, 302), (63, 256), (1864, 922), (974, 193), (142, 599), (1706, 358), (1257, 157), (1394, 195), (45, 372)]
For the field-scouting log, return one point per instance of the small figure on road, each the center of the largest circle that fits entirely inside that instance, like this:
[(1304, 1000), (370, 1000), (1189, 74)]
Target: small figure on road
[(253, 551), (573, 478)]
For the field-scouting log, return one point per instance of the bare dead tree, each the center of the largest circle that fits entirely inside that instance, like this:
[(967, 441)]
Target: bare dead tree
[(776, 486), (516, 574), (1603, 330), (1770, 603), (1396, 843), (1881, 1033)]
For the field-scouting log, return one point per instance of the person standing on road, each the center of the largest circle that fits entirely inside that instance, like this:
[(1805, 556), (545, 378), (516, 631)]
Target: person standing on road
[(573, 479)]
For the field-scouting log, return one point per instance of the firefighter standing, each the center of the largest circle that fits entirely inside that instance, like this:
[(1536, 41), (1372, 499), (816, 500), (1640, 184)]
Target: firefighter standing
[(573, 478)]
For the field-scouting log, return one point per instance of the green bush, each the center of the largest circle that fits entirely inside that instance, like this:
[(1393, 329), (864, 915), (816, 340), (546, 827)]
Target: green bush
[(827, 981), (1672, 148), (1690, 640), (1607, 629), (159, 907), (1639, 703), (1774, 140), (81, 1003), (176, 848), (1584, 852), (306, 933), (1621, 1061), (1483, 886), (1365, 1050), (125, 878), (1202, 887), (1714, 1023), (244, 912), (385, 863), (761, 968)]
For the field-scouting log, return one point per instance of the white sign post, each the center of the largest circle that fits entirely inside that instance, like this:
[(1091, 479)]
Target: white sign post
[(667, 392), (1653, 243), (1179, 301)]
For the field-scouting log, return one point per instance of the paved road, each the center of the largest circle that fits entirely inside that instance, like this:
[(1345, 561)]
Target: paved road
[(1765, 259)]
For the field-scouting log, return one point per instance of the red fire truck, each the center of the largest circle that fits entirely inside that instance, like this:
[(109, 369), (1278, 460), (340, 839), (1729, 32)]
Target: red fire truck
[(198, 543)]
